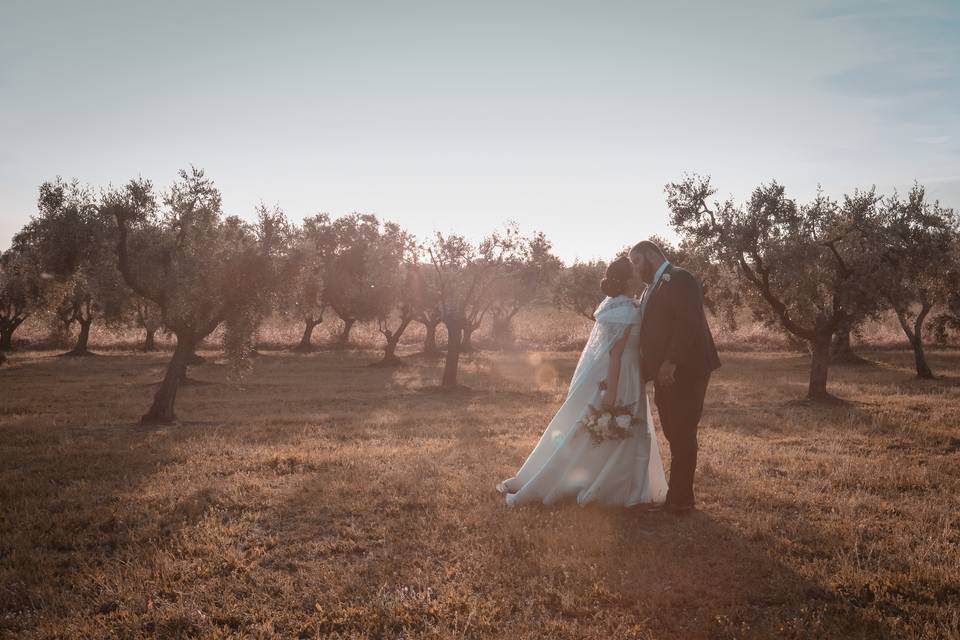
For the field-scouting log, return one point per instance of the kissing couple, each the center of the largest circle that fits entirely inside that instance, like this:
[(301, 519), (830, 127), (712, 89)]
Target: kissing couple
[(601, 446)]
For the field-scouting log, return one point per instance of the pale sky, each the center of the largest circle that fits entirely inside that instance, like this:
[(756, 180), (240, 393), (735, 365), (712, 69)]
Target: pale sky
[(567, 117)]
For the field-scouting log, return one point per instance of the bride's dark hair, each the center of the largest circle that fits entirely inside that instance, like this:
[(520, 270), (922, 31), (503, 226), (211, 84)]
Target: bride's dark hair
[(617, 276)]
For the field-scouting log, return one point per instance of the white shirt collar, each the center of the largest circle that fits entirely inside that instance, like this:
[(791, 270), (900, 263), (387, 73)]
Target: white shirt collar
[(663, 267), (653, 285), (658, 275)]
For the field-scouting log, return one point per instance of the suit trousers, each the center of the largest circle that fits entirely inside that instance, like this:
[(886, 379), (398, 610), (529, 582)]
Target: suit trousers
[(680, 406)]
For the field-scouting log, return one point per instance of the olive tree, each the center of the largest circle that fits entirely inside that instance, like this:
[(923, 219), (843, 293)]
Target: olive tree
[(74, 243), (347, 288), (464, 274), (146, 314), (306, 268), (577, 288), (913, 241), (392, 285), (422, 288), (947, 322), (529, 274), (200, 268), (526, 262), (21, 292), (275, 242), (797, 262), (93, 291)]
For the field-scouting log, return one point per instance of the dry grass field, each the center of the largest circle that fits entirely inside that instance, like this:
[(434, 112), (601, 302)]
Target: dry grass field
[(327, 498)]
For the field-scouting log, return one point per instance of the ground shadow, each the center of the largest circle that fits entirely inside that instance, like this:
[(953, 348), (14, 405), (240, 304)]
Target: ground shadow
[(324, 496)]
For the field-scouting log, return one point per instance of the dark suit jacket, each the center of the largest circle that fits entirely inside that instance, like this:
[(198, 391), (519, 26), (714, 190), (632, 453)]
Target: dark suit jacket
[(675, 327)]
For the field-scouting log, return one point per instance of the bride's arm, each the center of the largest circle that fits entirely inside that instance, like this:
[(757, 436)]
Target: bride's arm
[(613, 372)]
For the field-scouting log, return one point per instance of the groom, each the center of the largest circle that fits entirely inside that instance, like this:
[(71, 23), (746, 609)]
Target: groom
[(678, 354)]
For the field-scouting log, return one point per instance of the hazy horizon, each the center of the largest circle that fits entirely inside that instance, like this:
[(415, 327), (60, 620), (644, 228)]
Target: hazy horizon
[(563, 117)]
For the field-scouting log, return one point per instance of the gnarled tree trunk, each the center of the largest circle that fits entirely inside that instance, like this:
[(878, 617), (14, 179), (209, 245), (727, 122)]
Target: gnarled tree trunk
[(920, 360), (842, 351), (80, 348), (452, 365), (149, 340), (466, 342), (390, 351), (819, 368), (162, 409), (345, 334), (430, 340), (503, 332), (193, 358), (915, 337), (306, 341), (393, 339), (60, 333), (7, 327)]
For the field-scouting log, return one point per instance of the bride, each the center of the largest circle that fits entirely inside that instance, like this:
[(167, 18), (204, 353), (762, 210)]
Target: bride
[(567, 461)]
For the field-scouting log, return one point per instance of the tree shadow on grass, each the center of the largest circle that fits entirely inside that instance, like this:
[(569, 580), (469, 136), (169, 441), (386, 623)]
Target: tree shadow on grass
[(83, 492), (387, 523), (595, 570), (380, 538), (411, 560), (763, 394), (925, 386), (346, 501), (606, 570), (711, 581), (898, 367)]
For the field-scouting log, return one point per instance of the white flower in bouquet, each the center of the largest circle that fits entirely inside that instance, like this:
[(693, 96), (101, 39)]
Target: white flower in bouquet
[(624, 421), (605, 426)]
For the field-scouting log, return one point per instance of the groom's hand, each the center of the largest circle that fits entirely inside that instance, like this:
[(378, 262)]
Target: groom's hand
[(665, 375)]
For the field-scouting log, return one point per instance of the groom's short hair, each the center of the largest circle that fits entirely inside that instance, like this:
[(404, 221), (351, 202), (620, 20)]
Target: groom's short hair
[(646, 246)]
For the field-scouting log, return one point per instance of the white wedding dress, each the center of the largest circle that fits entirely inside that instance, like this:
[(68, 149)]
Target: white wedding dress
[(565, 464)]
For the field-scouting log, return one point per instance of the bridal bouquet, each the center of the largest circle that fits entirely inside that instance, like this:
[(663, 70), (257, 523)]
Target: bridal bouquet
[(608, 424)]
